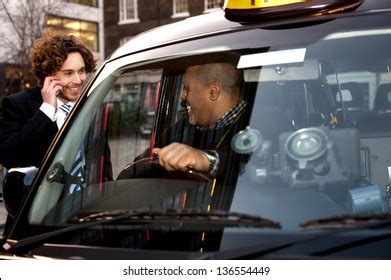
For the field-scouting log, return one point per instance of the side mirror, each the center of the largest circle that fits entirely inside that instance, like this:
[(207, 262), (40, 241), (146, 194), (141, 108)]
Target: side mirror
[(16, 185)]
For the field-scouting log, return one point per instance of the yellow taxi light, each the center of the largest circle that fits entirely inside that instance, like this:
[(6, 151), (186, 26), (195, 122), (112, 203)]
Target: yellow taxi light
[(247, 11), (257, 4)]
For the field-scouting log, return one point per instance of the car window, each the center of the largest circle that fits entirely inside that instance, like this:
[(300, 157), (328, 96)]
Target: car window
[(313, 136)]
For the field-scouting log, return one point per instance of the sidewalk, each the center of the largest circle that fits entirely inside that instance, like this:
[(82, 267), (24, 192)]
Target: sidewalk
[(3, 216)]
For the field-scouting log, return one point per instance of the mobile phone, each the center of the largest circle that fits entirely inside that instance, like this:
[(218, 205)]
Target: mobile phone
[(59, 92)]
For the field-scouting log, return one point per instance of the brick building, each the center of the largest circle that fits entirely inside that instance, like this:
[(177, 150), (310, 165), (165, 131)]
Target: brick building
[(124, 19)]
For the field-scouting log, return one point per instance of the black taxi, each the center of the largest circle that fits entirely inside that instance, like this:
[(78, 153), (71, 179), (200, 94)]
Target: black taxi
[(306, 172)]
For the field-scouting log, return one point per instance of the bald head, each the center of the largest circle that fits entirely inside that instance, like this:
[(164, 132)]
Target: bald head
[(224, 74)]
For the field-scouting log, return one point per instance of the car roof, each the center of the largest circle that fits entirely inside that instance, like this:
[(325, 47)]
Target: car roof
[(205, 25), (186, 29)]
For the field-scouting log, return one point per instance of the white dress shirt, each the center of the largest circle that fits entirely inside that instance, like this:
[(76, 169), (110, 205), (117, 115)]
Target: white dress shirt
[(55, 114)]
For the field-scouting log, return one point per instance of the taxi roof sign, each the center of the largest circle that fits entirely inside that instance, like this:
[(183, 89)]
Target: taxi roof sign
[(256, 4), (245, 11)]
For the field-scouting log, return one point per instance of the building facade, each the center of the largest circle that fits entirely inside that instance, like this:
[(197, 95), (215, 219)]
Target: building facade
[(24, 21), (124, 19), (82, 18)]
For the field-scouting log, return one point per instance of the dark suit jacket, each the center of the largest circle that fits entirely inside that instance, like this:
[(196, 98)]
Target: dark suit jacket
[(25, 131)]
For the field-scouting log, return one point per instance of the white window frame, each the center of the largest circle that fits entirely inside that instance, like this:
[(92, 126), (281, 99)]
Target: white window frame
[(123, 12), (179, 15), (209, 10)]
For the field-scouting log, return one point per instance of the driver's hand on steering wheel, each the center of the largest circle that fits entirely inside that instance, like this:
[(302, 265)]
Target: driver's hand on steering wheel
[(177, 156)]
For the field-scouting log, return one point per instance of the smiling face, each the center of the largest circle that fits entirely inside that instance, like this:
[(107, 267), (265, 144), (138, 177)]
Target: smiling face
[(72, 75), (196, 96)]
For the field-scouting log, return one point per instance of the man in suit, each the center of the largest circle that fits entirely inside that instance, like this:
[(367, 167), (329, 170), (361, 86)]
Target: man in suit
[(31, 118)]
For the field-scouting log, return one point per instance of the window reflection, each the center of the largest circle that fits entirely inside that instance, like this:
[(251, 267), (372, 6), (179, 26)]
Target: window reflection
[(131, 106)]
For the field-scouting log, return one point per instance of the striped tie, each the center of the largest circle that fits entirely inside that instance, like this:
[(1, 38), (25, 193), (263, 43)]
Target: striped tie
[(65, 108), (77, 170)]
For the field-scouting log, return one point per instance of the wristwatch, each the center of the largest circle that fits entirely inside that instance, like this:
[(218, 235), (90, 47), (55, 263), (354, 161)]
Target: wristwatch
[(213, 158)]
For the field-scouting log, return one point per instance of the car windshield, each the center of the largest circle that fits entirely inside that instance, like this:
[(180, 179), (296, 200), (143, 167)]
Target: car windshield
[(312, 140)]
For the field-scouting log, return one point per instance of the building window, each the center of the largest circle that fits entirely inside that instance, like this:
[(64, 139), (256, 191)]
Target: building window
[(85, 30), (128, 11), (92, 3), (213, 4), (180, 8)]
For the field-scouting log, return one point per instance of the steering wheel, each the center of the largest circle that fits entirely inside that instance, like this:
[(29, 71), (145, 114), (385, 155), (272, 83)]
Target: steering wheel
[(150, 168)]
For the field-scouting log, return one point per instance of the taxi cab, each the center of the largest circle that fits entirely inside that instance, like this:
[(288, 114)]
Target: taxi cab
[(307, 168)]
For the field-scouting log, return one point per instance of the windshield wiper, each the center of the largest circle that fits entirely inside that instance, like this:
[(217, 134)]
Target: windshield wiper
[(340, 223), (349, 221), (142, 216), (189, 216)]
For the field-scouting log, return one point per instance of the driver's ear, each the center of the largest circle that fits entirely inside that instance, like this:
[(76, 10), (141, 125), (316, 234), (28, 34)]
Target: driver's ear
[(214, 91)]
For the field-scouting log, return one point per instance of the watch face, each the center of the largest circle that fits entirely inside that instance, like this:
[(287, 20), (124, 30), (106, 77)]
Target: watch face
[(212, 162)]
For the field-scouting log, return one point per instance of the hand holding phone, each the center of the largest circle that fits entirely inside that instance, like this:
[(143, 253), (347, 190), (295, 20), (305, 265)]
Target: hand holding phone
[(51, 89), (59, 93)]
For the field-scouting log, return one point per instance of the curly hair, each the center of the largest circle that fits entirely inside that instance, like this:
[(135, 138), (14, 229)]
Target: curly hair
[(49, 53)]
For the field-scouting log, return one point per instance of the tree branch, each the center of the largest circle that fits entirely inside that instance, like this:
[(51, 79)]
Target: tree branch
[(11, 19)]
